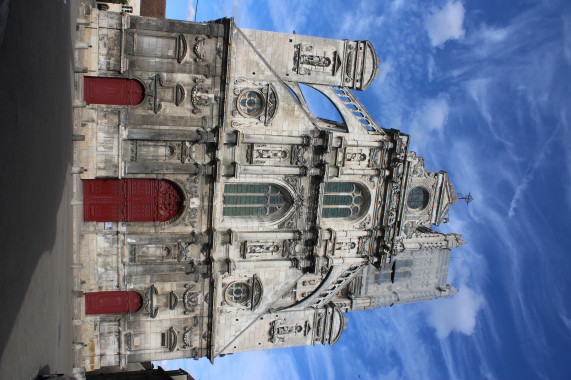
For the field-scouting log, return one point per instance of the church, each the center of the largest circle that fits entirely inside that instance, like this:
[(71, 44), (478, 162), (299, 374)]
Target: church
[(220, 215)]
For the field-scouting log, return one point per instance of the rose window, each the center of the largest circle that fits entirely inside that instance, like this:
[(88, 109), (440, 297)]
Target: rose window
[(251, 103), (417, 198), (238, 293)]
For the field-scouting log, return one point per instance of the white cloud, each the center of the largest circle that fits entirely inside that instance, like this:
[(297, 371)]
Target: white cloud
[(530, 173), (287, 16), (190, 10), (446, 23), (566, 320), (271, 364), (456, 313), (435, 114), (428, 122)]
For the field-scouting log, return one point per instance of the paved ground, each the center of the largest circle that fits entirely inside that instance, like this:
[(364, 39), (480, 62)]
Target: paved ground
[(36, 80)]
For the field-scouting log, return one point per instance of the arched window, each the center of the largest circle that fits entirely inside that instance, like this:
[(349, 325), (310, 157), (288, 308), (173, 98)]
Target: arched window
[(342, 200), (114, 91), (242, 199)]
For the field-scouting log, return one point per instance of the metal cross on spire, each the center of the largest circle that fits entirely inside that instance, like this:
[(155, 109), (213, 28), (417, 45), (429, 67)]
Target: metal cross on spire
[(467, 198)]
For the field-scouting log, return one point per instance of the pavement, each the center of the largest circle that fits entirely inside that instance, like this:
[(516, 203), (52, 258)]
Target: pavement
[(36, 185)]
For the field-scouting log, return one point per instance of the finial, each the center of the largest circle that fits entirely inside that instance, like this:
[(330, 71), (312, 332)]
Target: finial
[(467, 198)]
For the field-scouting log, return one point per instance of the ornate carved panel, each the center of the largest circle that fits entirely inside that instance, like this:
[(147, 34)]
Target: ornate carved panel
[(268, 154), (280, 330), (306, 59), (258, 250)]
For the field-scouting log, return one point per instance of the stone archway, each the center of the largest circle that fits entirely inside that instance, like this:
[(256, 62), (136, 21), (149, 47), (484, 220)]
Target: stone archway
[(113, 302), (130, 200), (113, 91)]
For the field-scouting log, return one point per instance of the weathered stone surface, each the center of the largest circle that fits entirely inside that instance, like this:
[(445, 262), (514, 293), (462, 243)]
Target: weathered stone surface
[(288, 220)]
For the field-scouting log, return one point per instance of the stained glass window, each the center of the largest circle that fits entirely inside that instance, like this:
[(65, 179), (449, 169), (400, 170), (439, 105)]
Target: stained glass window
[(342, 200), (251, 103), (242, 199), (417, 198), (238, 293)]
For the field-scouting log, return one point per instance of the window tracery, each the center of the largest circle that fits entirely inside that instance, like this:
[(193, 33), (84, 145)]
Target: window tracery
[(418, 198), (342, 200), (242, 199), (245, 293)]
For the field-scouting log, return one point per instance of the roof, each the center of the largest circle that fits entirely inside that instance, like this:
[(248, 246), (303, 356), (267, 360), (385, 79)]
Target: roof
[(153, 8)]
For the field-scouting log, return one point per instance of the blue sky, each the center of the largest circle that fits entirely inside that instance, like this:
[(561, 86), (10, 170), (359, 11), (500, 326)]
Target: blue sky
[(483, 88)]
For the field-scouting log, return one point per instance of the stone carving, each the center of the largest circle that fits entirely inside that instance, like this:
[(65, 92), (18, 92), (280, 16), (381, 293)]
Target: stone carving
[(345, 246), (256, 292), (349, 63), (158, 82), (359, 157), (364, 243), (199, 49), (187, 152), (314, 60), (418, 168), (289, 248), (298, 155), (192, 180), (189, 299), (168, 201), (298, 202), (280, 330), (259, 249), (181, 48), (198, 96), (183, 251), (304, 61), (375, 158), (186, 338), (193, 191), (179, 94), (264, 154), (172, 337), (149, 299)]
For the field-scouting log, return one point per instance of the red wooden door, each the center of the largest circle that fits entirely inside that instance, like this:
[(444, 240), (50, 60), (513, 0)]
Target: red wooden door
[(129, 200), (116, 91), (112, 302)]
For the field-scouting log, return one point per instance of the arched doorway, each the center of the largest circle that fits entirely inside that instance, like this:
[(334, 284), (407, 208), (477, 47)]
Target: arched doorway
[(130, 200), (113, 302), (114, 91)]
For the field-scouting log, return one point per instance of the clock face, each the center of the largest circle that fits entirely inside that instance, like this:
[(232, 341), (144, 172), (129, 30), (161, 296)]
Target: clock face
[(417, 198)]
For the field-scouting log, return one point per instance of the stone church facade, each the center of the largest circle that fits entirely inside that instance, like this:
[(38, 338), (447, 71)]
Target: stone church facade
[(220, 214)]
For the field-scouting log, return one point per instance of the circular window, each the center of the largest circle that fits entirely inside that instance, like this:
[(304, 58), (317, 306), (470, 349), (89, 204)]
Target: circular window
[(417, 198), (238, 293), (251, 103)]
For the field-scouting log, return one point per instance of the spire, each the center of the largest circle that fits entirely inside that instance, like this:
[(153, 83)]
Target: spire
[(455, 240)]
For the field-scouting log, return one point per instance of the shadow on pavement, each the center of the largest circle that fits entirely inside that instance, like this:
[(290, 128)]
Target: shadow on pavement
[(35, 149)]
